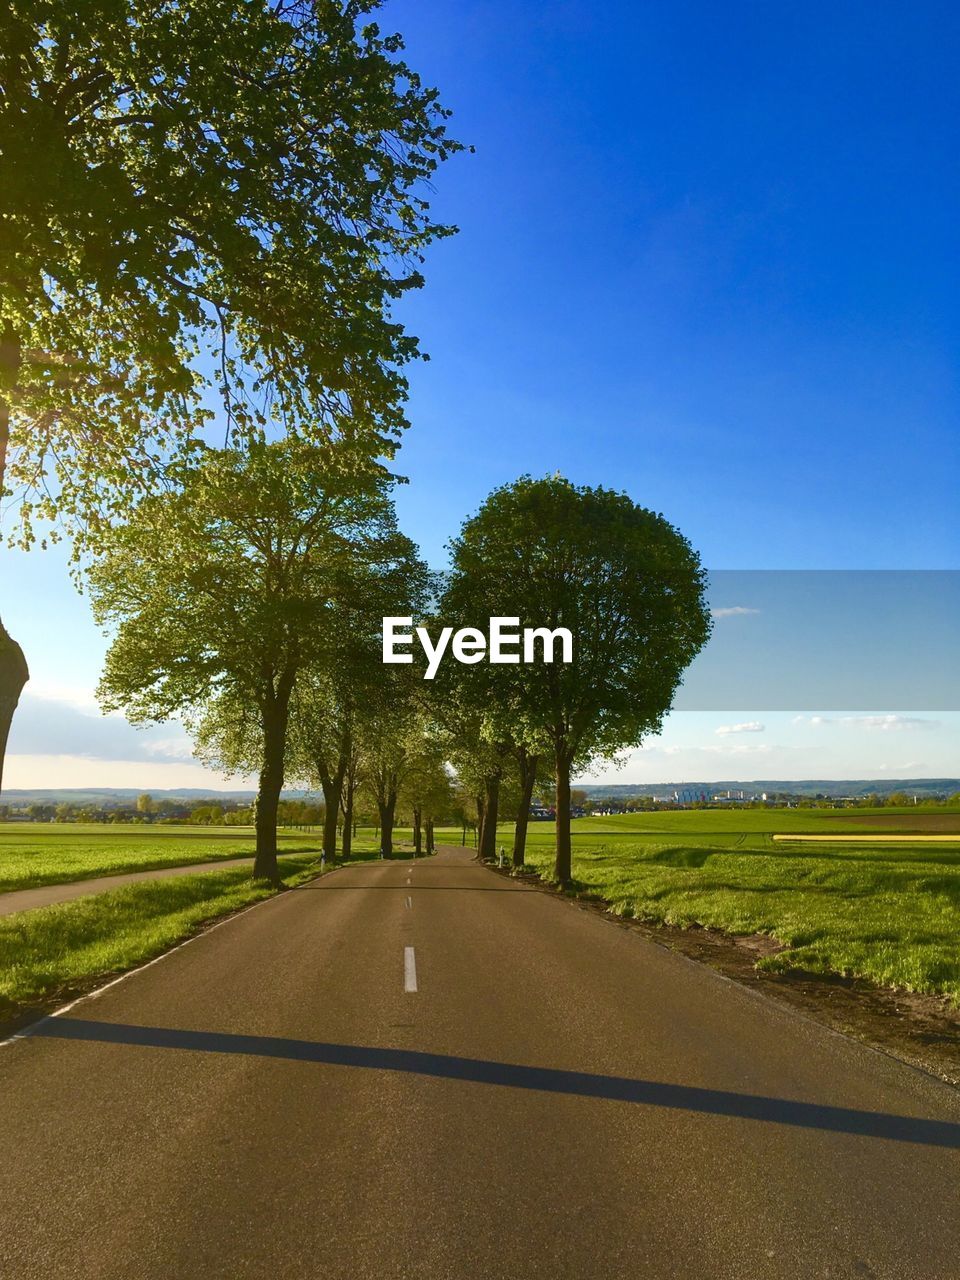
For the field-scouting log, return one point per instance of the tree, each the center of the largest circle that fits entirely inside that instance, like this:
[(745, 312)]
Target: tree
[(480, 766), (226, 194), (426, 791), (322, 732), (222, 591), (13, 676), (146, 804), (620, 578), (348, 674), (388, 736), (531, 767)]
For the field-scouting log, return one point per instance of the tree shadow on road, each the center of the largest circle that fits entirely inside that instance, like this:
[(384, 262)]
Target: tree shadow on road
[(719, 1102)]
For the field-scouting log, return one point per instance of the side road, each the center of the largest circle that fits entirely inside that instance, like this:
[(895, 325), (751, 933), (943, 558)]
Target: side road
[(48, 894), (424, 1069)]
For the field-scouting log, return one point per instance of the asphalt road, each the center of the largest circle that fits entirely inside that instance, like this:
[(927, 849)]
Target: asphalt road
[(557, 1098)]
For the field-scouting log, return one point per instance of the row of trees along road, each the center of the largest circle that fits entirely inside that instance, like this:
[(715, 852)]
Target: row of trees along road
[(248, 598), (260, 573), (214, 201), (225, 200)]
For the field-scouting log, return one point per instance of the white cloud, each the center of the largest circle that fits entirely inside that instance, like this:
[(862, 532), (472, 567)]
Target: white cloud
[(171, 748), (733, 611), (884, 724), (58, 727), (32, 771), (76, 696), (748, 726)]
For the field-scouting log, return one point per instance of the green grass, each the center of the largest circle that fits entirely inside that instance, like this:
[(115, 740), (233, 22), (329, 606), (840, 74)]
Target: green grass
[(53, 951), (33, 854), (887, 913)]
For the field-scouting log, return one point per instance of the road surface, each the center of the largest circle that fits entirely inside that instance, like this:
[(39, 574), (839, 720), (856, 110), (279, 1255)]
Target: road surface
[(423, 1070)]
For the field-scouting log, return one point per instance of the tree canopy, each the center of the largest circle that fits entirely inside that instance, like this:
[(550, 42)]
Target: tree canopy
[(223, 195), (620, 578), (223, 591)]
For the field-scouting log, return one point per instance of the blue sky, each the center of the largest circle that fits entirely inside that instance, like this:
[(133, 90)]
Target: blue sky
[(708, 255)]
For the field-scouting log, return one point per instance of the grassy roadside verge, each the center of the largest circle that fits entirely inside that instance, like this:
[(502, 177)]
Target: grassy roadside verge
[(893, 920), (52, 953)]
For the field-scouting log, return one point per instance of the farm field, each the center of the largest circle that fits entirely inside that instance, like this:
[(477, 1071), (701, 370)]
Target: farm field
[(887, 912), (747, 823), (34, 853)]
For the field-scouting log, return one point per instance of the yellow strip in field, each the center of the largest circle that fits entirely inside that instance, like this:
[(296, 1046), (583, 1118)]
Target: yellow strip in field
[(905, 838)]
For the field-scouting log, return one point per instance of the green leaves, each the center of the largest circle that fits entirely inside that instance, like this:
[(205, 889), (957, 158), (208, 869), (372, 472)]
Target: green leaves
[(624, 581), (227, 580), (221, 195)]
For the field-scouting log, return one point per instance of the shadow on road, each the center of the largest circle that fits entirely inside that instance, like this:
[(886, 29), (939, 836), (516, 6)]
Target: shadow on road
[(745, 1106), (314, 887)]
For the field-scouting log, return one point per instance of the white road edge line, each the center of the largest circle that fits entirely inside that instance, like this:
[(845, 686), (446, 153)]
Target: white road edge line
[(409, 969), (26, 1032)]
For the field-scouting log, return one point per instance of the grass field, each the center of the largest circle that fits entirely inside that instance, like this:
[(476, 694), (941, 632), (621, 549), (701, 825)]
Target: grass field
[(33, 853), (54, 951), (888, 912)]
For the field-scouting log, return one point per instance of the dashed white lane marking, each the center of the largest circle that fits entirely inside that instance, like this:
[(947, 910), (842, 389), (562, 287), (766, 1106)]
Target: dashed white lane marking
[(408, 903), (409, 969)]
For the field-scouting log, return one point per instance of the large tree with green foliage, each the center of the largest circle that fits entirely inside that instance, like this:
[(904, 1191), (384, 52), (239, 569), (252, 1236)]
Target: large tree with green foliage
[(224, 196), (224, 590), (627, 585)]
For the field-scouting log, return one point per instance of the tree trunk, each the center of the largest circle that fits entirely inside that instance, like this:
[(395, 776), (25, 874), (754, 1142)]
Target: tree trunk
[(274, 723), (13, 666), (431, 848), (481, 809), (332, 785), (331, 818), (417, 832), (386, 809), (562, 868), (347, 840), (528, 777), (488, 842), (13, 676)]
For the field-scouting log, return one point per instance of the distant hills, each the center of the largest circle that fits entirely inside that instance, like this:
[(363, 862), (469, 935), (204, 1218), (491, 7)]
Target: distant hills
[(105, 797), (795, 787)]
